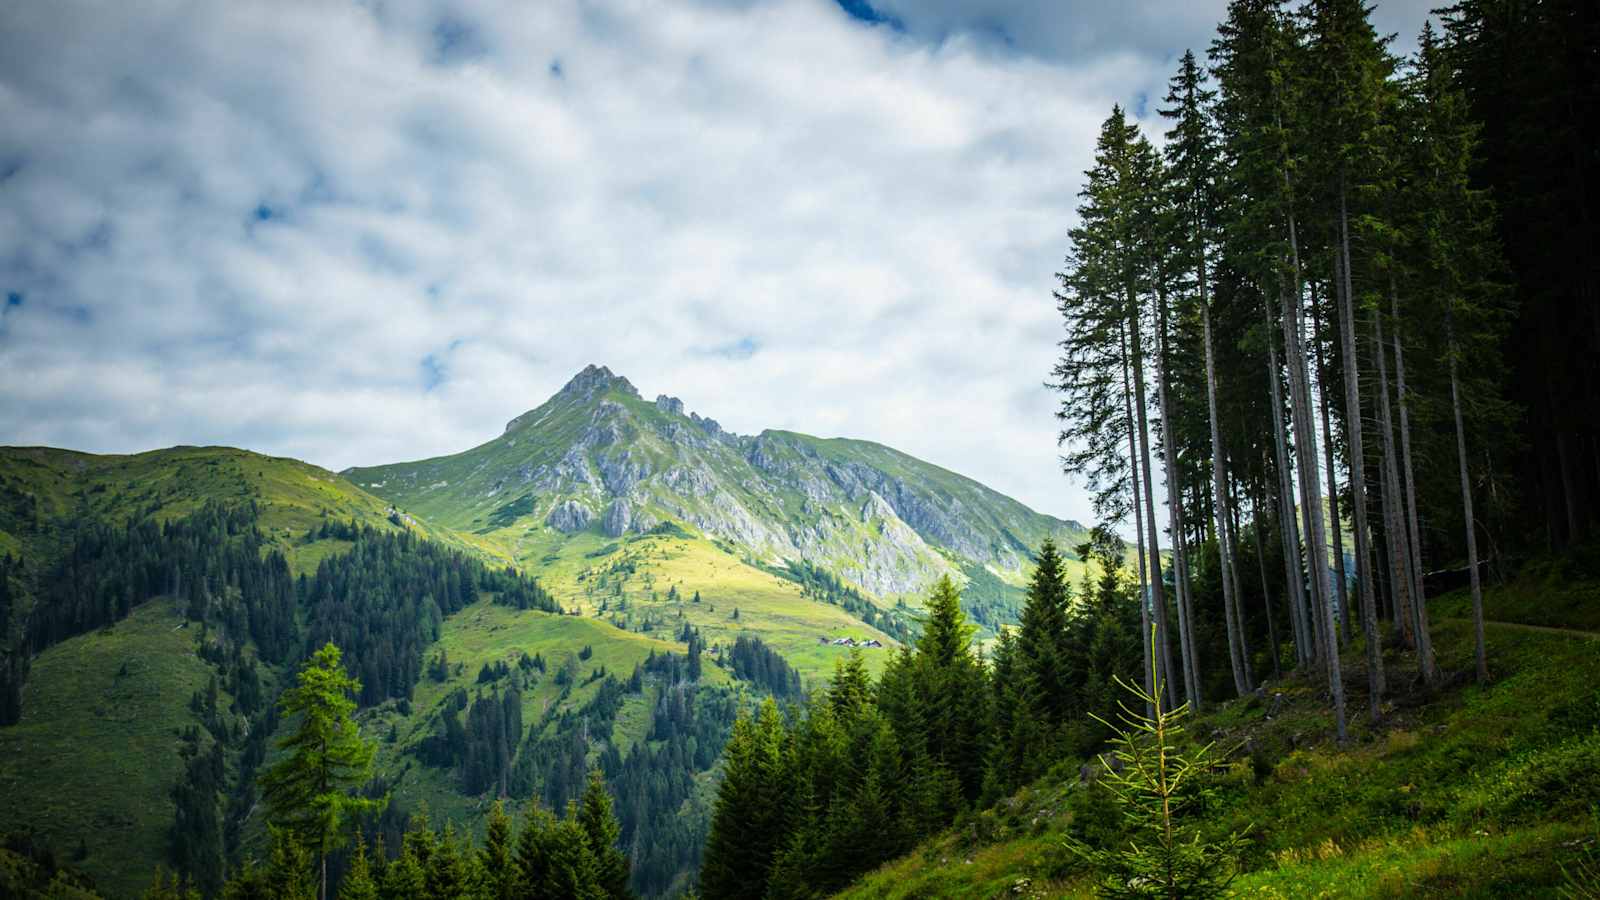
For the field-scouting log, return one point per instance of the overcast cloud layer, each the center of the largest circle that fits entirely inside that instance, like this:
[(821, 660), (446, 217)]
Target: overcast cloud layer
[(357, 233)]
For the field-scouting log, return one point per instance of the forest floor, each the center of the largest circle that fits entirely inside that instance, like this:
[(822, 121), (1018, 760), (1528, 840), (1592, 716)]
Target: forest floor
[(1459, 790)]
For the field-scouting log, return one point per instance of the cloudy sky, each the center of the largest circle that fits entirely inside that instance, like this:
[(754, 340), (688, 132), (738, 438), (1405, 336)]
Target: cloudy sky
[(362, 232)]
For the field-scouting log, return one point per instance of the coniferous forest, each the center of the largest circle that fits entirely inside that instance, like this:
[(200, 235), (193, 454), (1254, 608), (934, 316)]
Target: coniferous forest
[(1327, 368)]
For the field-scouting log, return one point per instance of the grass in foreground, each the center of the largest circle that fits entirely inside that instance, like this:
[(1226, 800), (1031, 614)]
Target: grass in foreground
[(1459, 792)]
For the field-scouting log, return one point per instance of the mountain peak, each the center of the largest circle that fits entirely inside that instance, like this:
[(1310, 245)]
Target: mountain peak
[(585, 385), (595, 378)]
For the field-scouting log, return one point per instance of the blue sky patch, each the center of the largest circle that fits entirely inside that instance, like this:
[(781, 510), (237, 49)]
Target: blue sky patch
[(863, 11), (433, 372), (457, 41), (743, 348)]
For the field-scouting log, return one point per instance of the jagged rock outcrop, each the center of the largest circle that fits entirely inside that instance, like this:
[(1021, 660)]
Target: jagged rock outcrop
[(619, 515), (619, 473), (568, 516)]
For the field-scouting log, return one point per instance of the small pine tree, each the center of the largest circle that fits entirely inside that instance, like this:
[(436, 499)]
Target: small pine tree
[(600, 826), (497, 873), (447, 876), (357, 883), (1156, 786)]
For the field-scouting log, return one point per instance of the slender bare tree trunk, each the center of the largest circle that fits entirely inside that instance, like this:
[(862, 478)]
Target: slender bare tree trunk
[(1430, 667), (1393, 518), (1219, 503), (1340, 580), (1306, 447), (1157, 588), (1289, 530), (1358, 479), (1466, 507), (1294, 575), (1232, 510), (1180, 549), (1266, 591), (1138, 522)]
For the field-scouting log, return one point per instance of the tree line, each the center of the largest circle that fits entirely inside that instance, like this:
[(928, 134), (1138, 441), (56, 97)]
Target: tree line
[(863, 770)]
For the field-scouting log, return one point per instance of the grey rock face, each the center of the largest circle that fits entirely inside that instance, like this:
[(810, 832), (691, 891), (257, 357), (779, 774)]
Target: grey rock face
[(621, 472), (568, 517), (619, 515), (670, 405), (643, 521), (709, 426), (689, 481)]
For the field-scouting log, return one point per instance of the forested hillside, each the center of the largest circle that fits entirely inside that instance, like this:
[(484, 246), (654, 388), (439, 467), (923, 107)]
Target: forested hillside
[(157, 606)]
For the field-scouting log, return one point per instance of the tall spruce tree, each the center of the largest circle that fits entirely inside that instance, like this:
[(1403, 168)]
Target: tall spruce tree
[(600, 827), (748, 823), (951, 686), (1041, 641), (311, 791)]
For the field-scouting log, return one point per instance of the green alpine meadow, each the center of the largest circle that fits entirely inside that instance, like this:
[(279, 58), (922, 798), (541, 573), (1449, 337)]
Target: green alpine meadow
[(795, 449)]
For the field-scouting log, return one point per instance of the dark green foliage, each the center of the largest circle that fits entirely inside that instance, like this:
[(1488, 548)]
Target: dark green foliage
[(1527, 71), (808, 804), (30, 871), (286, 876), (752, 660), (484, 746), (952, 691), (497, 874), (308, 793), (603, 833), (749, 824), (577, 856), (215, 562), (554, 860), (1056, 669), (508, 513), (196, 838), (385, 599)]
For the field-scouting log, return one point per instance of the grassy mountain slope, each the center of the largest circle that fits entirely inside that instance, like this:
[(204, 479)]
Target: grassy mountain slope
[(486, 634), (1466, 791), (95, 756), (599, 460), (43, 488)]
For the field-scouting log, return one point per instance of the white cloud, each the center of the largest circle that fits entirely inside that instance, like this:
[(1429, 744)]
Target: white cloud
[(368, 232)]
